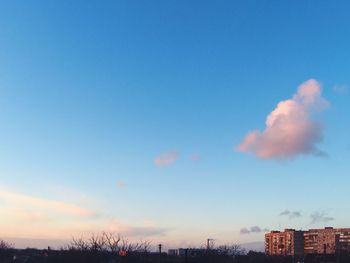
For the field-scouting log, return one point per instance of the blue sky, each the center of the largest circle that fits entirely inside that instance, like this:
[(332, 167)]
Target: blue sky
[(92, 92)]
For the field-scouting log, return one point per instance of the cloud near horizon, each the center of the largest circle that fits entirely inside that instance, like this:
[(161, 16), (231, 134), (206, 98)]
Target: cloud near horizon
[(253, 229), (25, 216), (290, 130), (27, 201), (142, 229), (166, 158), (291, 214), (320, 217)]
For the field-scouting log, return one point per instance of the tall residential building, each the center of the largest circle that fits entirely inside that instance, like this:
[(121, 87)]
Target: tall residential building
[(314, 241), (343, 235), (287, 243), (327, 241), (310, 241)]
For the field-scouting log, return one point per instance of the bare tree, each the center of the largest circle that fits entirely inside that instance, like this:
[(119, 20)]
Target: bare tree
[(231, 250), (142, 246), (112, 241), (5, 245), (79, 244), (97, 242), (108, 242)]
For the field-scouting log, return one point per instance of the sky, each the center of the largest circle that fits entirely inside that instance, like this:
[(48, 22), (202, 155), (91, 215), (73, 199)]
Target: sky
[(173, 121)]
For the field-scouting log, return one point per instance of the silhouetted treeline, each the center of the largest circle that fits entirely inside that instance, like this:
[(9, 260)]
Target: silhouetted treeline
[(109, 248), (6, 251)]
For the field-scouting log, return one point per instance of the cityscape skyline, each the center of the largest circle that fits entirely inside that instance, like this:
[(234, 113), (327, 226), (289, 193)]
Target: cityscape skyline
[(173, 121)]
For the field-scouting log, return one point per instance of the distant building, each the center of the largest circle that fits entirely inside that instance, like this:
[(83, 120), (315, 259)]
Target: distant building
[(343, 239), (183, 252), (311, 241), (327, 241), (314, 241), (172, 252), (320, 241), (290, 242)]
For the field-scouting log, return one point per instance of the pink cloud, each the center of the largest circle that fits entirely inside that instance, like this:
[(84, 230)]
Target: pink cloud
[(24, 214), (290, 129), (195, 157), (166, 158), (46, 204), (121, 184), (145, 229)]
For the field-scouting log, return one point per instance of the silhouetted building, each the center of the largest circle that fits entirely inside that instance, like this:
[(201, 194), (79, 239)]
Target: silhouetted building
[(287, 243), (186, 252)]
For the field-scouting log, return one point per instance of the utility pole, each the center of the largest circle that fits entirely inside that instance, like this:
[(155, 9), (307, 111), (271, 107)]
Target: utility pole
[(209, 240), (160, 252)]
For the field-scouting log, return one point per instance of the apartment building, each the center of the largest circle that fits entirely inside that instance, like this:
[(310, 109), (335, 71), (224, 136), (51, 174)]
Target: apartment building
[(311, 241), (343, 243), (314, 241), (327, 241), (287, 243)]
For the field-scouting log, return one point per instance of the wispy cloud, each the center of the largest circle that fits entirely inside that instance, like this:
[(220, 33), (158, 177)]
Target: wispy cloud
[(320, 217), (341, 89), (121, 184), (244, 231), (291, 214), (145, 229), (290, 130), (25, 215), (47, 204), (195, 157), (166, 158), (253, 229)]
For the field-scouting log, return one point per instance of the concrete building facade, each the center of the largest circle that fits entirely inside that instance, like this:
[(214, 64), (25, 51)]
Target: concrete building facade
[(287, 243), (314, 241), (343, 236), (327, 241)]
